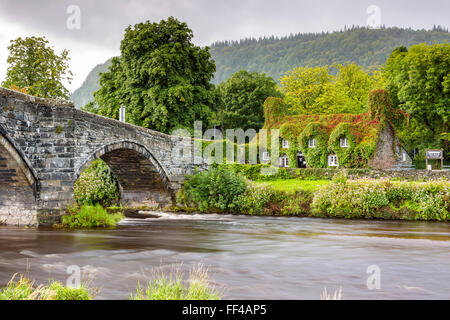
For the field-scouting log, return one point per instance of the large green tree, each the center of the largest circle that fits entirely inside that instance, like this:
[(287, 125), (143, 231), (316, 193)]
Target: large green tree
[(418, 80), (353, 84), (242, 98), (161, 77), (33, 64), (319, 90)]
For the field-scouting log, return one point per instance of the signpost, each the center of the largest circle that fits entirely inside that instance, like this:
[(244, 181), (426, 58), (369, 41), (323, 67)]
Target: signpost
[(434, 154)]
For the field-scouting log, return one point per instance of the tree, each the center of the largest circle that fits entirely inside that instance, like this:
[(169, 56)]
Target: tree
[(161, 77), (418, 79), (317, 91), (308, 90), (34, 65), (354, 83), (242, 99)]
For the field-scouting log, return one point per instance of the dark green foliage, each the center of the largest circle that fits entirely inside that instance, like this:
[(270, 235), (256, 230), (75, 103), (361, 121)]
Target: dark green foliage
[(97, 185), (242, 97), (418, 80), (213, 189), (161, 77)]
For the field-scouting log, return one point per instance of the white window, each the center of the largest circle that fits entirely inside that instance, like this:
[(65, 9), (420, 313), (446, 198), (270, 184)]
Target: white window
[(265, 156), (285, 144), (332, 160), (284, 161), (344, 142), (403, 156), (312, 143)]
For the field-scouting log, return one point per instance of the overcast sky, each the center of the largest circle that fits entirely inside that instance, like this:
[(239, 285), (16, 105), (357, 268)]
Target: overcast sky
[(102, 22)]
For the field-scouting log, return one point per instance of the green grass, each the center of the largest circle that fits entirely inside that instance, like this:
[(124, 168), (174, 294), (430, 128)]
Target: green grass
[(295, 185), (88, 217), (24, 289), (172, 287)]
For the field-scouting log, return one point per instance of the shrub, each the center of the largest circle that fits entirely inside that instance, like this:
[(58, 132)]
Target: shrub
[(24, 289), (213, 189), (384, 199), (97, 184), (90, 217), (256, 198)]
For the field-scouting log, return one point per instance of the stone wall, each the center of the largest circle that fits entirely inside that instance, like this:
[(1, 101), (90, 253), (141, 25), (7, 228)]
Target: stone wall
[(58, 142), (17, 193), (327, 173), (384, 157)]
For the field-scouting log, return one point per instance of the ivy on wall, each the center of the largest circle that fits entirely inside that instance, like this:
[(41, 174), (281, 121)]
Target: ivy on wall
[(361, 130)]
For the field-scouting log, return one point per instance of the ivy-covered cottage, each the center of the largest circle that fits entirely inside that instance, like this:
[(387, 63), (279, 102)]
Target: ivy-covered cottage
[(339, 140)]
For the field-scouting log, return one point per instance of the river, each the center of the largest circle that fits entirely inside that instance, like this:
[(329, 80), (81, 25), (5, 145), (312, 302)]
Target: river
[(247, 257)]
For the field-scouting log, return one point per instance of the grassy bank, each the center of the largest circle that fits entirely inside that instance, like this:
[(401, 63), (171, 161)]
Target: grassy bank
[(25, 289), (172, 287), (224, 190), (163, 286)]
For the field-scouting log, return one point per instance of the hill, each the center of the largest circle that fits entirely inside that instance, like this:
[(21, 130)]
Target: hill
[(83, 94), (274, 56)]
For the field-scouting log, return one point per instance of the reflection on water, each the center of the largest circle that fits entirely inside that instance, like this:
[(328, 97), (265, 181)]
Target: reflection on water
[(248, 257)]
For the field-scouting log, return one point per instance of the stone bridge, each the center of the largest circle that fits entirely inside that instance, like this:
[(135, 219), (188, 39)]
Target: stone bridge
[(46, 144)]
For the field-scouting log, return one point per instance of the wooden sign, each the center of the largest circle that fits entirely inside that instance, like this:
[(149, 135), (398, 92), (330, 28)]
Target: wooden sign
[(432, 154)]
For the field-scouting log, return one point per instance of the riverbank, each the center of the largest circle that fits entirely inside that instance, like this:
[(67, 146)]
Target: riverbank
[(222, 190)]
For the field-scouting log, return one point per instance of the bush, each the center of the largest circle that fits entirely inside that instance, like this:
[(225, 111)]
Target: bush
[(256, 198), (213, 189), (97, 184), (260, 199), (24, 289), (384, 199), (90, 217)]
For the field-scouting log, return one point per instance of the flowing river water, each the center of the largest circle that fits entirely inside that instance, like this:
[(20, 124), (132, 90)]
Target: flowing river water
[(247, 257)]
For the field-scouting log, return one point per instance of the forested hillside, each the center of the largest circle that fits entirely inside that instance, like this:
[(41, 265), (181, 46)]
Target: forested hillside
[(274, 56), (366, 47), (83, 95)]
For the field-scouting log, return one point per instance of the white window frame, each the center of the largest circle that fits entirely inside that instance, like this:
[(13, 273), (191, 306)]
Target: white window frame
[(284, 144), (344, 142), (265, 156), (312, 143), (331, 162), (284, 161)]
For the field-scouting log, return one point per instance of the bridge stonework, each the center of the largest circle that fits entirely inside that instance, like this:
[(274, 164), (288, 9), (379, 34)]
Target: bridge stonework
[(46, 144)]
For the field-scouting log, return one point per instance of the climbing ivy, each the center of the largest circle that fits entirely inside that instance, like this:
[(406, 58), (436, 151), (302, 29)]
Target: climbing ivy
[(361, 130), (317, 156)]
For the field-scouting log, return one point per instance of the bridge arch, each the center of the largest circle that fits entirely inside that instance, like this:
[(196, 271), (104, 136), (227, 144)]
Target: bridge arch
[(19, 184), (142, 179)]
